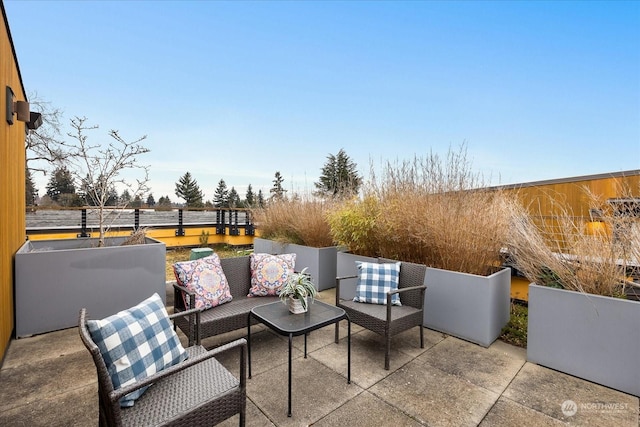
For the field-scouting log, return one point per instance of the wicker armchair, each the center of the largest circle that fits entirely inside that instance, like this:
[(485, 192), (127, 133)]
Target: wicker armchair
[(199, 391), (388, 320)]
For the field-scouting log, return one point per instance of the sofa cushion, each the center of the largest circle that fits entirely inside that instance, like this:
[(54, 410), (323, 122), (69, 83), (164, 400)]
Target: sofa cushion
[(375, 281), (269, 273), (205, 277), (136, 343)]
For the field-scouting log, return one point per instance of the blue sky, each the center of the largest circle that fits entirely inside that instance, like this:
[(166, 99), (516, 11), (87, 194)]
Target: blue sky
[(240, 90)]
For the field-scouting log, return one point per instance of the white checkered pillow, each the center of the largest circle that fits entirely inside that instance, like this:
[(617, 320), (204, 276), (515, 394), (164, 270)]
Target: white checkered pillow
[(136, 343), (375, 280)]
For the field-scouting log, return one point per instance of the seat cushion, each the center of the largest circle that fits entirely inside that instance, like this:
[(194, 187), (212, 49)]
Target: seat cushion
[(206, 279), (269, 273), (375, 281), (136, 343)]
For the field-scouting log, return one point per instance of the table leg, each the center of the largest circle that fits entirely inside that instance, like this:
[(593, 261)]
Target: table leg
[(305, 346), (348, 351), (289, 391), (249, 344)]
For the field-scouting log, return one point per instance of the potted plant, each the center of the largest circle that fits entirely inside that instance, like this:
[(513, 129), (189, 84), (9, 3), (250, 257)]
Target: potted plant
[(298, 292), (580, 320), (299, 226), (55, 278)]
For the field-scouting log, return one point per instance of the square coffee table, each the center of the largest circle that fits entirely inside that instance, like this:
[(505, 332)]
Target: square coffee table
[(278, 318)]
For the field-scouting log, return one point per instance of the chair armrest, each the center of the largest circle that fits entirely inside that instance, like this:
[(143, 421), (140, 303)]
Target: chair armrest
[(421, 288), (177, 292), (338, 280), (195, 325), (116, 395), (410, 288)]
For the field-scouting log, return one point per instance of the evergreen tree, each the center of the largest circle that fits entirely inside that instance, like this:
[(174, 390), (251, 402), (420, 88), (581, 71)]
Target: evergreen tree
[(277, 192), (234, 198), (136, 202), (125, 198), (260, 199), (61, 182), (221, 195), (187, 188), (31, 193), (164, 203), (339, 176), (150, 200), (250, 197)]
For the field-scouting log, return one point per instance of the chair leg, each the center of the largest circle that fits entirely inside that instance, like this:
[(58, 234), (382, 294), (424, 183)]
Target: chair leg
[(337, 339), (387, 351), (421, 336)]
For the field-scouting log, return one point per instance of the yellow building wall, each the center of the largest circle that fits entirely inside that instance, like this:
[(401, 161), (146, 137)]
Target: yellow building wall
[(569, 193), (12, 183)]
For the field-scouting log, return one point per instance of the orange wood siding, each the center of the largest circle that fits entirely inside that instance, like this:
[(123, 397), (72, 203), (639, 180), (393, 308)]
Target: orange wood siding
[(12, 184)]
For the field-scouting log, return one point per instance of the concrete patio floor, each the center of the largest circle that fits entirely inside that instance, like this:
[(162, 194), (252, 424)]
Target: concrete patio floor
[(50, 380)]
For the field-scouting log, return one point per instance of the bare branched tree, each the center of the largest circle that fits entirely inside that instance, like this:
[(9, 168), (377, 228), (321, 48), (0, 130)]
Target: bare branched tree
[(99, 168), (45, 144)]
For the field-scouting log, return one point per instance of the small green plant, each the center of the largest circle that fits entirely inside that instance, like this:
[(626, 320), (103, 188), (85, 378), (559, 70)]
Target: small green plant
[(298, 286), (515, 332), (204, 238)]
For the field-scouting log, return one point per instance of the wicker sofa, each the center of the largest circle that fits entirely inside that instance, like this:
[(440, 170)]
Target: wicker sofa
[(227, 317)]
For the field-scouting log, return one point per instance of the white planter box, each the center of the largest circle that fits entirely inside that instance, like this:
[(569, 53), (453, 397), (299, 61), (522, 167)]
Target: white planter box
[(474, 308), (320, 262), (54, 279), (588, 336)]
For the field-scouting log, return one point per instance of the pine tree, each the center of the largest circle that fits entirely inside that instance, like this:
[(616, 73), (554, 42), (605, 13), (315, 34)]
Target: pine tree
[(221, 195), (187, 188), (250, 197), (277, 192), (61, 182), (31, 193), (260, 199), (136, 202), (150, 200), (234, 198), (164, 203), (339, 176), (125, 198)]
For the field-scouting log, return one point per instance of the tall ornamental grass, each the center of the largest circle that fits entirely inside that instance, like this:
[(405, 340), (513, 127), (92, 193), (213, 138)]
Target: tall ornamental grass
[(299, 220), (430, 210), (568, 251)]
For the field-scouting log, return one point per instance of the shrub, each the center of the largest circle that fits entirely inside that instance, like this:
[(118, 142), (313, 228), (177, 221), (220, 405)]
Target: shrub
[(297, 220), (354, 224), (429, 211)]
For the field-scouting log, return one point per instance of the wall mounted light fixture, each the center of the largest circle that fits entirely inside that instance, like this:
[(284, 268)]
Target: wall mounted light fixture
[(21, 110)]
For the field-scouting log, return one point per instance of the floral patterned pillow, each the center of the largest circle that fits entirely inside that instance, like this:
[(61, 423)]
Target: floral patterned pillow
[(269, 273), (205, 277)]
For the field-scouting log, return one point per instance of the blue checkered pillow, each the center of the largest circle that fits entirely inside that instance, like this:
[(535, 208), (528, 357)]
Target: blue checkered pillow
[(136, 343), (375, 280)]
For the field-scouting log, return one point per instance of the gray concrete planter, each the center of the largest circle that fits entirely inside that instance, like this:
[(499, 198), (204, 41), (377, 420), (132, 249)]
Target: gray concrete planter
[(320, 262), (474, 308), (55, 278), (588, 336)]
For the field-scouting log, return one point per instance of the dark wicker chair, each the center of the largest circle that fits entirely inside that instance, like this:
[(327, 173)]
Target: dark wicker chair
[(199, 391), (388, 320)]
